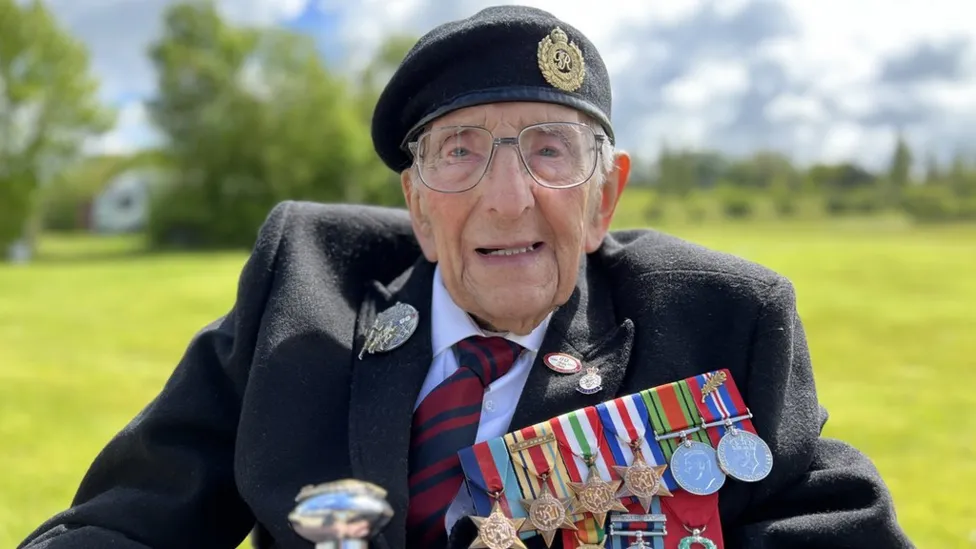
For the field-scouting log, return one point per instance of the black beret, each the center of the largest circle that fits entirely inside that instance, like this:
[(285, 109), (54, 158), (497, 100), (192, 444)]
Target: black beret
[(503, 53)]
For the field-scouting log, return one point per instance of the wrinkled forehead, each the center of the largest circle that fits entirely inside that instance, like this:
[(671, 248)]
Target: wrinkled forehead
[(509, 117)]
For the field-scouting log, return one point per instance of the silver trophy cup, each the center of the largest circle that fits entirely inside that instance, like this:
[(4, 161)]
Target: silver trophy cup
[(340, 515)]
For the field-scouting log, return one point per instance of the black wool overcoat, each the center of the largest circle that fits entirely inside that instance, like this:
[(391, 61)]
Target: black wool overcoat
[(271, 397)]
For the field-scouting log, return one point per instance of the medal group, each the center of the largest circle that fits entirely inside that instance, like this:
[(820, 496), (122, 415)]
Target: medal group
[(639, 471)]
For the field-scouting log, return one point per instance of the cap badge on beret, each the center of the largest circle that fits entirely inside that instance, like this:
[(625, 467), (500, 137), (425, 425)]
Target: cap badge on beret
[(561, 61)]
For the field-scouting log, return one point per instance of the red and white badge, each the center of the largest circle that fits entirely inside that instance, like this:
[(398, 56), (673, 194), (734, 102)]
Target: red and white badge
[(562, 363)]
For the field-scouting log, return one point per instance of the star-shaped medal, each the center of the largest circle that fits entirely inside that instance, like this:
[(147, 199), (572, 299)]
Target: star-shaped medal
[(642, 481), (547, 515), (496, 531), (597, 496)]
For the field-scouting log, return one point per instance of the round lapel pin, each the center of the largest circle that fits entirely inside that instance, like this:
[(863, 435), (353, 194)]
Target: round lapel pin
[(561, 363)]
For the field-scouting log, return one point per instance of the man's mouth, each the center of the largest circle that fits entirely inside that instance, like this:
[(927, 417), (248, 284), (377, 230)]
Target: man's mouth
[(509, 251)]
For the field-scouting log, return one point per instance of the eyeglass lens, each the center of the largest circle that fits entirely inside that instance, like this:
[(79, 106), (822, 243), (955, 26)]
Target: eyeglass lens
[(455, 158)]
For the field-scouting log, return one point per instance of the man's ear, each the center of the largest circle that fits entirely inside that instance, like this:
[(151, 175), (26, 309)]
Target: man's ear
[(608, 197), (418, 218)]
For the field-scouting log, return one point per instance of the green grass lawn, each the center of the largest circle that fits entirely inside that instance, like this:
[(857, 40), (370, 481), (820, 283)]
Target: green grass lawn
[(89, 333)]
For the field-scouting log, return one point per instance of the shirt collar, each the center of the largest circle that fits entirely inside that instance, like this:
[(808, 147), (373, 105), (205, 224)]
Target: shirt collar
[(450, 324)]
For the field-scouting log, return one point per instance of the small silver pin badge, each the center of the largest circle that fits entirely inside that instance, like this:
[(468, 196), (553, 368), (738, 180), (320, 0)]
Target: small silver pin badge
[(591, 382), (391, 329)]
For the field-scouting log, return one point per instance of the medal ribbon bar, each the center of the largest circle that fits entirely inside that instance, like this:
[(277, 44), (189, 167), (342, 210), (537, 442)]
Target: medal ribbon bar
[(536, 459), (622, 527), (579, 433), (628, 418), (487, 468), (721, 401), (672, 410)]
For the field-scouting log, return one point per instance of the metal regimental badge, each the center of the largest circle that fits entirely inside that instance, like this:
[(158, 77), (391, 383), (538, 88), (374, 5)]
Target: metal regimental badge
[(695, 468), (496, 531), (547, 515), (392, 328), (561, 61), (744, 456), (597, 496), (642, 481), (591, 382)]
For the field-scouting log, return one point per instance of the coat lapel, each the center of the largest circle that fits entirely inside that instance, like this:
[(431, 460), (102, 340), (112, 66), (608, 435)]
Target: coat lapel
[(383, 393), (585, 327), (385, 385)]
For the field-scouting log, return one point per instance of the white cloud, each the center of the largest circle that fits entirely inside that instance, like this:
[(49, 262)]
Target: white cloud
[(791, 107), (823, 101), (132, 132), (846, 141), (707, 83)]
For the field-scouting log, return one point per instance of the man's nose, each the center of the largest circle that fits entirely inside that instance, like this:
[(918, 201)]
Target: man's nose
[(508, 186)]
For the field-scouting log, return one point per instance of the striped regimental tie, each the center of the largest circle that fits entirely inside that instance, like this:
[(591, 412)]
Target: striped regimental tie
[(445, 422)]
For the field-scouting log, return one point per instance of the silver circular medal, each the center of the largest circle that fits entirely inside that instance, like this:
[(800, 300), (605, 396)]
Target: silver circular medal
[(744, 456), (391, 329), (591, 382), (695, 468)]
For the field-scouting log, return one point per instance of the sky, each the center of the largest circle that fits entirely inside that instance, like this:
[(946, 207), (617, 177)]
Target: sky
[(821, 81)]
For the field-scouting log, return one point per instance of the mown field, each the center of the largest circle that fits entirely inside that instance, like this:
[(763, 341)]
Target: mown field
[(89, 333)]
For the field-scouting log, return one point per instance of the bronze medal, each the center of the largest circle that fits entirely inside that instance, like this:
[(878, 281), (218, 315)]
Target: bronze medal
[(547, 515), (643, 481), (597, 496), (496, 531)]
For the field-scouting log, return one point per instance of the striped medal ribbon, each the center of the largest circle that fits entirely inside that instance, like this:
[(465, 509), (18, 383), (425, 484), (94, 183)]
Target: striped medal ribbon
[(488, 470), (639, 525), (544, 481), (675, 420), (628, 420), (593, 480), (741, 452)]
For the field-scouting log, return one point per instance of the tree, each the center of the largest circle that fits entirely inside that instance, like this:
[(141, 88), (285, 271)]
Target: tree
[(900, 172), (252, 117), (378, 184), (48, 106), (933, 172)]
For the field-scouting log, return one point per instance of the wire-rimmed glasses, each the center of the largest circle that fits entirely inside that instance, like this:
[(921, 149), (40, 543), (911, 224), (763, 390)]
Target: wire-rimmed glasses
[(558, 155)]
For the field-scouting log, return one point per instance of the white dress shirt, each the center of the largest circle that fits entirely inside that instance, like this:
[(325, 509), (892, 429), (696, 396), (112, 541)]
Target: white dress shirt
[(449, 325)]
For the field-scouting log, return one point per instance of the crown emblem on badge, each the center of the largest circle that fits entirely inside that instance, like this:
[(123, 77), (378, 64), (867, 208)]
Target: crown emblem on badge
[(561, 61)]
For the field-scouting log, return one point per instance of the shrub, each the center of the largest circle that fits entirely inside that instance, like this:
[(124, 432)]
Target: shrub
[(931, 204)]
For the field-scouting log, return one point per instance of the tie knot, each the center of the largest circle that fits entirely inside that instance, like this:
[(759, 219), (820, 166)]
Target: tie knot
[(488, 357)]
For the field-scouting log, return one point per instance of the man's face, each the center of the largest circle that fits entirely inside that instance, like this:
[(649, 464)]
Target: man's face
[(509, 211)]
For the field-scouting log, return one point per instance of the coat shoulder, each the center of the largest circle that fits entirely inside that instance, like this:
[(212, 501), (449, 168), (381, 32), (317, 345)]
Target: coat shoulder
[(305, 220), (645, 262), (648, 251), (346, 240)]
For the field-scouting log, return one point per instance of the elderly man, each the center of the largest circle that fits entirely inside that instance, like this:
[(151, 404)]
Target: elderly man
[(376, 344)]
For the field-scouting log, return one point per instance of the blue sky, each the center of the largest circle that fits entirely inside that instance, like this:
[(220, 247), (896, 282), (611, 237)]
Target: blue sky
[(830, 80)]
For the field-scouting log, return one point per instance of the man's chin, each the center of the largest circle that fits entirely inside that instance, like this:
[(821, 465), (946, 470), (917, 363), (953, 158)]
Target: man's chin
[(518, 318)]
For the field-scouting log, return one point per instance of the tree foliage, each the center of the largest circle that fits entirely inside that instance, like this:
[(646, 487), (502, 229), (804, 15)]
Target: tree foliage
[(253, 117), (48, 107)]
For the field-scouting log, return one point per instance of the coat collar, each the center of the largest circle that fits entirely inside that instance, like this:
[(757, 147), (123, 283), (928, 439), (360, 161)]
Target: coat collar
[(385, 386)]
